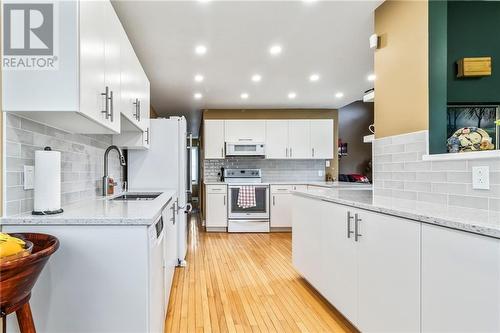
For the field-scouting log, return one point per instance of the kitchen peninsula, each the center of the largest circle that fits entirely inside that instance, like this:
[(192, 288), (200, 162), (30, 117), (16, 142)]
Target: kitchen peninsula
[(108, 274)]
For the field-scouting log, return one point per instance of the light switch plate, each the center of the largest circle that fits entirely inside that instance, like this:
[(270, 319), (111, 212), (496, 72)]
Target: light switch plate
[(327, 163), (320, 173), (29, 177), (481, 178)]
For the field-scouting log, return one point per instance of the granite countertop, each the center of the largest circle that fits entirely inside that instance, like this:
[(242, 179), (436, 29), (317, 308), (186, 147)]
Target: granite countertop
[(302, 182), (483, 222), (101, 211)]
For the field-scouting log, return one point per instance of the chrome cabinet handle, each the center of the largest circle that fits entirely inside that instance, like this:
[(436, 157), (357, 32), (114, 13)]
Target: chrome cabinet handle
[(224, 200), (356, 227), (139, 110), (245, 139), (147, 135), (222, 152), (173, 213), (106, 98), (349, 231), (286, 151), (111, 108), (291, 152), (313, 152), (274, 200), (137, 115)]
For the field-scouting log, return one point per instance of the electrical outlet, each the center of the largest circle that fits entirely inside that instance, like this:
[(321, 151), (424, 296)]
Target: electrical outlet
[(29, 177), (320, 173), (327, 163), (481, 178)]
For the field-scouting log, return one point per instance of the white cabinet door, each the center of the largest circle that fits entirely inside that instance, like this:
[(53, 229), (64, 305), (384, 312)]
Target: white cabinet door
[(299, 140), (130, 82), (112, 65), (306, 236), (143, 99), (92, 59), (388, 273), (460, 281), (216, 210), (245, 131), (277, 139), (281, 207), (214, 138), (322, 138), (339, 259)]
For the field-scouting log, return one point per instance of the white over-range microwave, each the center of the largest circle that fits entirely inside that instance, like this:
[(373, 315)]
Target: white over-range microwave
[(245, 149)]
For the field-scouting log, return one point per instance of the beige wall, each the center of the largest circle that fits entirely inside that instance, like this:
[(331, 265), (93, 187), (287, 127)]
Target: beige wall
[(401, 66)]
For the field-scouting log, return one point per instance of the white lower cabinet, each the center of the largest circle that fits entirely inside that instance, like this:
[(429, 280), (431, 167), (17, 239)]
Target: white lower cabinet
[(216, 208), (306, 248), (460, 281), (339, 263), (388, 273), (281, 206), (366, 264)]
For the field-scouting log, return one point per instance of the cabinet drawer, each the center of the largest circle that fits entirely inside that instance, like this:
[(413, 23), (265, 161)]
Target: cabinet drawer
[(277, 189), (216, 189), (299, 187)]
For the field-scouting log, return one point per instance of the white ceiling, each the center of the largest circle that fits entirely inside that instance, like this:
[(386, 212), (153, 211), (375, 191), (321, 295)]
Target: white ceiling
[(328, 38)]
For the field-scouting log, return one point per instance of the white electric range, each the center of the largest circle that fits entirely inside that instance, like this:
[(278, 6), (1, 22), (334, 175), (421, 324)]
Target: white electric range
[(251, 219)]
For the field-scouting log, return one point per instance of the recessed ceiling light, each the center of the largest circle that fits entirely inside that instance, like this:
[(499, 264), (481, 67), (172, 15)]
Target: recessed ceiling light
[(256, 78), (339, 95), (292, 95), (203, 0), (200, 49), (198, 96), (244, 96), (371, 77), (309, 1), (199, 78), (275, 49), (314, 77)]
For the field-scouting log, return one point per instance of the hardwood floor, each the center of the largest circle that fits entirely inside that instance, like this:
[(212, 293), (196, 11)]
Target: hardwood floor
[(245, 283)]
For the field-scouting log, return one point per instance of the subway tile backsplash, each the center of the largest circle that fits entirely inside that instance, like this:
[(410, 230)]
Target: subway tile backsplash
[(81, 162), (272, 170), (400, 172)]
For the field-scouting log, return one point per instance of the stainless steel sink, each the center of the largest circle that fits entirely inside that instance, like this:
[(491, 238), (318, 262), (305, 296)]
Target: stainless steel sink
[(137, 196)]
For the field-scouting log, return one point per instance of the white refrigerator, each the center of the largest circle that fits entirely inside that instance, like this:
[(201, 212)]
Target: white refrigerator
[(164, 166)]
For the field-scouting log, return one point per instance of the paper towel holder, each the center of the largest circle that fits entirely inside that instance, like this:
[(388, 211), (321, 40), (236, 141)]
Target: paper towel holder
[(47, 212)]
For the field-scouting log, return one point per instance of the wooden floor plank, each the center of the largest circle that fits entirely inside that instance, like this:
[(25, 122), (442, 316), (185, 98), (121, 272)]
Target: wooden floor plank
[(245, 283)]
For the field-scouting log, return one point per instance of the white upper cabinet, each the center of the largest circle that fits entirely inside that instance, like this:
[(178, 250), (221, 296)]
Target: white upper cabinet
[(245, 131), (112, 65), (299, 139), (277, 139), (284, 138), (130, 85), (322, 138), (83, 94), (213, 139), (92, 60), (135, 106)]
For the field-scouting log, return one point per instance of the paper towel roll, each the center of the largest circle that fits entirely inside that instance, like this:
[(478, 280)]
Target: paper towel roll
[(47, 182)]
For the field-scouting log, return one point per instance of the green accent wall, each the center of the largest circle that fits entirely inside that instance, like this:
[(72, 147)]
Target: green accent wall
[(459, 29), (438, 50), (473, 31)]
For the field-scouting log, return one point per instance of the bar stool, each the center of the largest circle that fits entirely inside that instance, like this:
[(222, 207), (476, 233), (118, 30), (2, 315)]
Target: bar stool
[(17, 278)]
